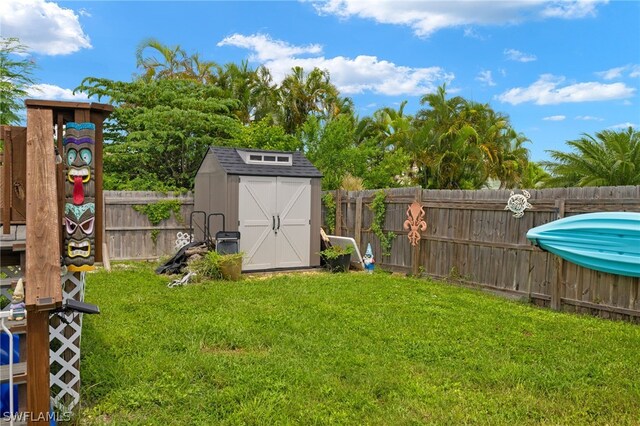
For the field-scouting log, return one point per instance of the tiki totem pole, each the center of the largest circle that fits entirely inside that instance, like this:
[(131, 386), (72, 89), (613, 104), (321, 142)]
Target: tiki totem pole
[(79, 209)]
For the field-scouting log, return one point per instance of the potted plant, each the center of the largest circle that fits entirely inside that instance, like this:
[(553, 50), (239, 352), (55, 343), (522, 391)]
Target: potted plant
[(337, 258), (214, 265), (231, 266)]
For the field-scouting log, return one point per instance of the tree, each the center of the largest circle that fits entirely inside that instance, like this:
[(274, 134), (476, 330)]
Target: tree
[(238, 82), (263, 135), (382, 141), (164, 62), (611, 158), (302, 95), (329, 146), (16, 75), (160, 129), (459, 144), (534, 176)]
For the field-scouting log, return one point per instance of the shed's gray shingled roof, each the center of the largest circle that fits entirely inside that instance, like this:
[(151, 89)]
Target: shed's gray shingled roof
[(233, 164)]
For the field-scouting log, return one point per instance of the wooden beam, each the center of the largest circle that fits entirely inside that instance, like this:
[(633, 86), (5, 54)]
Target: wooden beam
[(358, 225), (7, 164), (38, 103), (42, 271), (415, 258), (66, 105), (38, 393), (43, 239), (60, 176), (558, 269), (98, 118), (338, 230)]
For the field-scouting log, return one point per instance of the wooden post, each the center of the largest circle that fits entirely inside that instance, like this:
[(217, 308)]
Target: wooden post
[(558, 266), (42, 274), (38, 393), (338, 230), (60, 172), (358, 225), (97, 118), (415, 258), (6, 195)]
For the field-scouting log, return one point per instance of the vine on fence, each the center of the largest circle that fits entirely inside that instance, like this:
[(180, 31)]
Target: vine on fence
[(330, 211), (159, 211), (379, 209)]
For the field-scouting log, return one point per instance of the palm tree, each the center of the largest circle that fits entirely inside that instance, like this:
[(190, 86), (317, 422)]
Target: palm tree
[(512, 160), (204, 72), (534, 176), (301, 95), (237, 81), (164, 62), (264, 93), (611, 158), (16, 76)]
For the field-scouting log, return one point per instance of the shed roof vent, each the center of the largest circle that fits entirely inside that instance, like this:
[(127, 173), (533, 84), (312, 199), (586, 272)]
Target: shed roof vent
[(272, 158)]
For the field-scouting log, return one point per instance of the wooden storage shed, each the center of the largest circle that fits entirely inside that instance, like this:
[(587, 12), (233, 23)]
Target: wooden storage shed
[(271, 197)]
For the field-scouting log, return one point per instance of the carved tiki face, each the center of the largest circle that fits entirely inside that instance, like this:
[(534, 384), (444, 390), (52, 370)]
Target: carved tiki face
[(79, 236), (79, 145)]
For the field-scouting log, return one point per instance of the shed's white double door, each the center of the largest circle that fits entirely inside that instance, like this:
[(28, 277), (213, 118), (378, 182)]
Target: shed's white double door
[(274, 222)]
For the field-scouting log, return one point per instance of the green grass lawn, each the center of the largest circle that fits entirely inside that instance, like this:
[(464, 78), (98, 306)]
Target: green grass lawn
[(353, 348)]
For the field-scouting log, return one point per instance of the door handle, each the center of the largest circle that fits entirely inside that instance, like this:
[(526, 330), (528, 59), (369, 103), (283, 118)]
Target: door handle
[(273, 224), (278, 221)]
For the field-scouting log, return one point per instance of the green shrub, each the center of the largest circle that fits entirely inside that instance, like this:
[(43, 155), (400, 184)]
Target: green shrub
[(334, 252), (211, 264)]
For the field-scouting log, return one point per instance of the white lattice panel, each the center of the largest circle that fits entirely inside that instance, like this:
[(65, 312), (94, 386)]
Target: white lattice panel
[(64, 354)]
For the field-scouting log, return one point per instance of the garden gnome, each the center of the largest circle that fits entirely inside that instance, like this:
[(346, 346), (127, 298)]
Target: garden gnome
[(368, 259), (17, 302)]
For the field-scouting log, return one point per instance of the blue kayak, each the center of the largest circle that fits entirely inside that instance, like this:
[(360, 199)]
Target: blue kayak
[(607, 242)]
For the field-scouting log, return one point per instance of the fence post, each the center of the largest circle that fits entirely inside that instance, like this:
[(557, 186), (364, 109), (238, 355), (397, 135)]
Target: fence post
[(558, 265), (338, 230), (42, 272), (415, 258), (358, 225)]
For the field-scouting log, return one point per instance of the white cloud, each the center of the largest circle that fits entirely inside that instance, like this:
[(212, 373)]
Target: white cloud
[(472, 33), (588, 118), (52, 92), (555, 118), (427, 17), (612, 73), (618, 72), (43, 26), (350, 75), (266, 48), (486, 78), (547, 90), (571, 9), (623, 125), (518, 56)]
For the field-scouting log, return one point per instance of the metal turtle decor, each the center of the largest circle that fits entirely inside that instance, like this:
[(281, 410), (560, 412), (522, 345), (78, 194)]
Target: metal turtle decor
[(517, 203)]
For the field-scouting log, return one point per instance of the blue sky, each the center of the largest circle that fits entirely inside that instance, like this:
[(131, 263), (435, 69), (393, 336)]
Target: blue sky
[(558, 69)]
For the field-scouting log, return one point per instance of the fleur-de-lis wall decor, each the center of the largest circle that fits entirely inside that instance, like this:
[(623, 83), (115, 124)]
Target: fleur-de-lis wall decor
[(415, 222)]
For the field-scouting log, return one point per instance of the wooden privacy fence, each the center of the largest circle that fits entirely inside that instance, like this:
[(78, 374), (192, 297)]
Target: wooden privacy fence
[(471, 238), (130, 234)]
